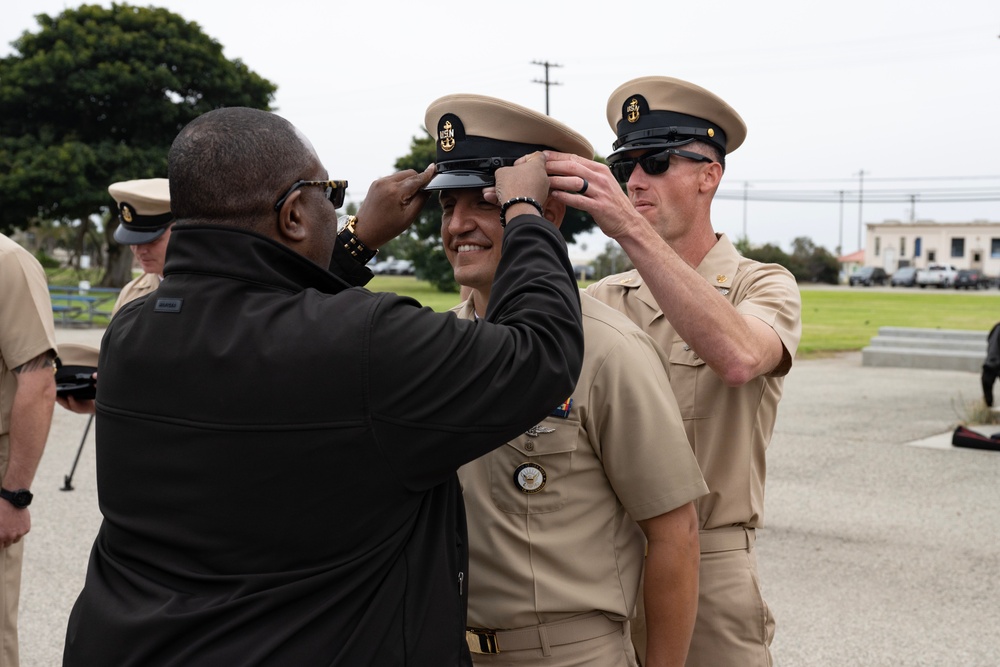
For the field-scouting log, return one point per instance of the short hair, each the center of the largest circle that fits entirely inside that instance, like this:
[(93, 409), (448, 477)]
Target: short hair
[(710, 150), (230, 165)]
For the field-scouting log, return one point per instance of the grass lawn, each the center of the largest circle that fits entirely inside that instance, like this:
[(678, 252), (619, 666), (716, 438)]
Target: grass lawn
[(846, 319)]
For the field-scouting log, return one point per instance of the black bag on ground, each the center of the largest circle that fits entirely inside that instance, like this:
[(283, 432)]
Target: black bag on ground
[(964, 437)]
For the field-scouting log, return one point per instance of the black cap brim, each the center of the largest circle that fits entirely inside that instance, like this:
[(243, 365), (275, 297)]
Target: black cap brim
[(126, 236), (458, 180), (647, 146)]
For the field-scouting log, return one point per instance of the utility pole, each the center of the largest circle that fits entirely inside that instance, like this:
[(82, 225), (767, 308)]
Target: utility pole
[(861, 201), (840, 244), (746, 239), (546, 64)]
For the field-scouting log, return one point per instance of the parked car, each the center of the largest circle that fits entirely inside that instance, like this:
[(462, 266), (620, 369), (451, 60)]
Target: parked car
[(937, 275), (971, 279), (868, 275), (398, 267), (584, 271), (905, 276)]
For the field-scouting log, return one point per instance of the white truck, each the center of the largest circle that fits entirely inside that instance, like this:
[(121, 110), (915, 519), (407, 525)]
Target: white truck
[(937, 275)]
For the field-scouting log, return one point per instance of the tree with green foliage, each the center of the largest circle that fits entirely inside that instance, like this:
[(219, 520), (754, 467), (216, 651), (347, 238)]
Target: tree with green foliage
[(423, 245), (611, 261), (97, 95), (808, 263)]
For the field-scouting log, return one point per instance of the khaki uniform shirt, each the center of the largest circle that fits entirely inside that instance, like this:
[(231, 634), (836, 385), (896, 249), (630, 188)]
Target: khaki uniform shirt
[(26, 328), (141, 286), (551, 516), (729, 428)]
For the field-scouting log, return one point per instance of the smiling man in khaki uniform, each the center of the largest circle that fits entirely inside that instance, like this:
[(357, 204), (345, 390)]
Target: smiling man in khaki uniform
[(557, 516), (729, 325), (27, 396)]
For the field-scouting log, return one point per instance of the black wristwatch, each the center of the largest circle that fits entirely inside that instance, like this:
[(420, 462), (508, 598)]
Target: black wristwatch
[(19, 499)]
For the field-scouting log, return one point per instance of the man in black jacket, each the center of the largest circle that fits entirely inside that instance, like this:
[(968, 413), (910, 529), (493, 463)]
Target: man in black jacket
[(276, 448)]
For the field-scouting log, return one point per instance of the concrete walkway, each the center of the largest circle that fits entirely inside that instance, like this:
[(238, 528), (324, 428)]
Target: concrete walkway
[(876, 552)]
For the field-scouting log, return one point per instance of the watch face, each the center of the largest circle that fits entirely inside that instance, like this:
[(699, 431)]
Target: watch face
[(20, 498)]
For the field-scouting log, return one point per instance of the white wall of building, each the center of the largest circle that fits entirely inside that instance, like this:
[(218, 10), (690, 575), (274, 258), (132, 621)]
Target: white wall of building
[(964, 245)]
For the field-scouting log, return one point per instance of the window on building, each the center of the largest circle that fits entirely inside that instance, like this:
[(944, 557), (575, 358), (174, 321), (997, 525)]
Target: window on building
[(916, 247), (977, 257), (902, 246), (994, 248), (958, 247), (931, 256), (878, 245)]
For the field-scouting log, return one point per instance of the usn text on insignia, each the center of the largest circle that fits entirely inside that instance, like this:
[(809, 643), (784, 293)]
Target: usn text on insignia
[(447, 136), (530, 477), (632, 110)]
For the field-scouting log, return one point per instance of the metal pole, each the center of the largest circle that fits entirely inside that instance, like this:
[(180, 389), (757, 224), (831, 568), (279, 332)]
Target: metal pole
[(861, 201), (840, 241), (68, 479), (745, 186), (546, 64)]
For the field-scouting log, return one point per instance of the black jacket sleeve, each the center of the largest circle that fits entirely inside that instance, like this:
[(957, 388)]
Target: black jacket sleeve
[(444, 391), (347, 268)]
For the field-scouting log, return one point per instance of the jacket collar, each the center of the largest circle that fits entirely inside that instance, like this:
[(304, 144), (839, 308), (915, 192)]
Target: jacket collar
[(240, 254)]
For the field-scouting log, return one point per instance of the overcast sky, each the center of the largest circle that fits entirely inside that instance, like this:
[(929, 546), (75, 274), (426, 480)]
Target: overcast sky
[(897, 89)]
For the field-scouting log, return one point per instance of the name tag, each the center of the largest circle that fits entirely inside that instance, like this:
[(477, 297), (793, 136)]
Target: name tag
[(168, 305)]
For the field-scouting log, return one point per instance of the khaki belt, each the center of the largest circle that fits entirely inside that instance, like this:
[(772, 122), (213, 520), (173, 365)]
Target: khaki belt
[(726, 539), (576, 629)]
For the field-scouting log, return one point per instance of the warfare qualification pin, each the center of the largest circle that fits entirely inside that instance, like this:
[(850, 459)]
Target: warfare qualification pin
[(530, 477)]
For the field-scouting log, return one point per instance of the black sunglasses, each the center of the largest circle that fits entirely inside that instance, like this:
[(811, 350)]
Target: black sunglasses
[(335, 191), (653, 162)]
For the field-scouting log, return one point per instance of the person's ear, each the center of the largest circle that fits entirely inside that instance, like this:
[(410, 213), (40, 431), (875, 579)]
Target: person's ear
[(554, 211), (291, 226), (711, 176)]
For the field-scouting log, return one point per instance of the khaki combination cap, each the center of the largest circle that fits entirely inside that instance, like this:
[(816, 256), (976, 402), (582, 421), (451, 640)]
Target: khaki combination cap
[(143, 210), (476, 135), (663, 112)]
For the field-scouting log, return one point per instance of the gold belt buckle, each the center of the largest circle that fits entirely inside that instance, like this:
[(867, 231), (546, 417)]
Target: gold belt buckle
[(482, 641)]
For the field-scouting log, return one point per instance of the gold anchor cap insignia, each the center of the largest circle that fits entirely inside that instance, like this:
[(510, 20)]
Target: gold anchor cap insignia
[(126, 213), (447, 136), (632, 110)]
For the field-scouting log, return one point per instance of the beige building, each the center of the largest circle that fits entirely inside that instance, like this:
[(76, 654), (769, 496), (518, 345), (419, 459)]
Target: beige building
[(965, 245)]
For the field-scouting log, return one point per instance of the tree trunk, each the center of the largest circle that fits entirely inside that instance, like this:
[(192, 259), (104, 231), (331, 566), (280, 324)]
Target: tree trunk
[(118, 270)]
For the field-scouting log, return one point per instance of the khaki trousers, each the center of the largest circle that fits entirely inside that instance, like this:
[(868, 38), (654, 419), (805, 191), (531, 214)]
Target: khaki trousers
[(10, 593), (734, 624)]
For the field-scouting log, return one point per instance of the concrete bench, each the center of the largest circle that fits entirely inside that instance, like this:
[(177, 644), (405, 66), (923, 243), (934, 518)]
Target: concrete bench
[(938, 349)]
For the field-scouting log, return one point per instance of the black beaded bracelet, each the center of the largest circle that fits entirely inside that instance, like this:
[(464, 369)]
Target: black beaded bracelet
[(517, 200)]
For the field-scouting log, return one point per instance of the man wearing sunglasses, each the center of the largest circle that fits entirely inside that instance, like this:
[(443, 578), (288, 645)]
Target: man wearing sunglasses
[(277, 446), (560, 517), (729, 325)]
